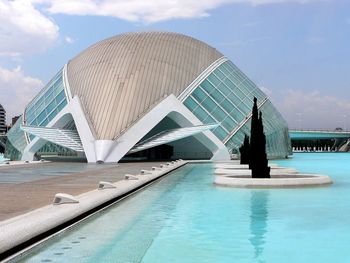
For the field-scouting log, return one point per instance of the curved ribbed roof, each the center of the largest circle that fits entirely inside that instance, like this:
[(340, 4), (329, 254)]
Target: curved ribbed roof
[(121, 78)]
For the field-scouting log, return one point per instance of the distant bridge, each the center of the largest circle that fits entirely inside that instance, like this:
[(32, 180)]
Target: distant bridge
[(318, 134)]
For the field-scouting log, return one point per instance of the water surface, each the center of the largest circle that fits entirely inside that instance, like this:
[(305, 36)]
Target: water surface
[(185, 218)]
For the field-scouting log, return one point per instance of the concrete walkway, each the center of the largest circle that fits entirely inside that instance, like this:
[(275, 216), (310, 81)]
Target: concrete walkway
[(36, 190)]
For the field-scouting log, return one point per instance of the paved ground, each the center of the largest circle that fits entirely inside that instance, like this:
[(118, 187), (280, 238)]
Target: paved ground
[(28, 187)]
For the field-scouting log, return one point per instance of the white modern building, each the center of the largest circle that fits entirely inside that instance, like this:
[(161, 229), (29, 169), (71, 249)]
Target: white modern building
[(130, 93)]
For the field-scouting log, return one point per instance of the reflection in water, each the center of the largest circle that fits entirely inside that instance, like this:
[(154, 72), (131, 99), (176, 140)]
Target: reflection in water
[(258, 220)]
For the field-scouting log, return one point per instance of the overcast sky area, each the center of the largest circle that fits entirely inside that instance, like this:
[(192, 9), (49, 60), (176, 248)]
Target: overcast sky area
[(297, 51)]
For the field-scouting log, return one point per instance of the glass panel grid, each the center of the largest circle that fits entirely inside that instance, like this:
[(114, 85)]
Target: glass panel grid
[(47, 104), (226, 96)]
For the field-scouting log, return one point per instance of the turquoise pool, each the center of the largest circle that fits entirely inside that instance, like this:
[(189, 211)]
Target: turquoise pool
[(185, 218)]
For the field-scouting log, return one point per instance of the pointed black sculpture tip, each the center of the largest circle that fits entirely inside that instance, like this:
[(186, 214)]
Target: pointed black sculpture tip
[(258, 161)]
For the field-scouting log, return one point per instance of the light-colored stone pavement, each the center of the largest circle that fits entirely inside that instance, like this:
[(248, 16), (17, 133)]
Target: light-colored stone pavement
[(20, 194)]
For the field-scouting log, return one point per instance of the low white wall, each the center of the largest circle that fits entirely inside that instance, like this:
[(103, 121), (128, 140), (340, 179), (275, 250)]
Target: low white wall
[(20, 229)]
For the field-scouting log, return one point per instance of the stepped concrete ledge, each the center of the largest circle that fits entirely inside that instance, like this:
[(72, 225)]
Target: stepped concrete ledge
[(23, 228)]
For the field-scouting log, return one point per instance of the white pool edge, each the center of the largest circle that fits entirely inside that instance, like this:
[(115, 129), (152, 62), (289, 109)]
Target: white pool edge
[(20, 229)]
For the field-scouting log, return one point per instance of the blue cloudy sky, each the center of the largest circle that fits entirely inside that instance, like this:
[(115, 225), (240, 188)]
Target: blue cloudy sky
[(297, 51)]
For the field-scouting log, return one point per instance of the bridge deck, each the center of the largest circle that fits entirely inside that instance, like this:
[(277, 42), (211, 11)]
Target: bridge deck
[(318, 134)]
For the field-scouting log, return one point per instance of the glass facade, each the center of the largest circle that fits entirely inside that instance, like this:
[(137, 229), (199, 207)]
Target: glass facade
[(226, 96), (39, 112), (49, 102), (16, 141)]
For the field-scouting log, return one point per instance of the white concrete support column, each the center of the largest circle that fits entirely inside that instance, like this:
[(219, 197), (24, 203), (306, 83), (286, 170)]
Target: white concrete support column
[(72, 110), (85, 133), (32, 148), (103, 148)]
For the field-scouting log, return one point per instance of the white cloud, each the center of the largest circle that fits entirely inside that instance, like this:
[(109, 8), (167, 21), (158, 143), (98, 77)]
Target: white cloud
[(313, 109), (147, 11), (267, 91), (11, 54), (17, 90), (69, 40), (136, 10), (24, 29)]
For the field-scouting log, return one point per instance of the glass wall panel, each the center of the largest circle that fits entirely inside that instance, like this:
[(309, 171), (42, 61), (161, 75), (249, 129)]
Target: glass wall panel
[(200, 113), (220, 133), (228, 123), (46, 105), (219, 74), (199, 95), (209, 120), (190, 103), (16, 141), (61, 105), (227, 105), (217, 96), (209, 104), (227, 96), (213, 79), (207, 86), (219, 114)]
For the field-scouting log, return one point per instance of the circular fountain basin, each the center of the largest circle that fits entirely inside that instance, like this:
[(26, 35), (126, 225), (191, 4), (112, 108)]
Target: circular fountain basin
[(246, 171), (276, 180), (239, 166)]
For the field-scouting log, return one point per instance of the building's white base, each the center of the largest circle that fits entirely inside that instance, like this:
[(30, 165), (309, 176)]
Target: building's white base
[(111, 151)]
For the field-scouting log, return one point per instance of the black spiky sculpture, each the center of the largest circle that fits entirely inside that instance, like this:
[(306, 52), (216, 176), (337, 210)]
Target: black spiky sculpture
[(245, 150), (258, 158)]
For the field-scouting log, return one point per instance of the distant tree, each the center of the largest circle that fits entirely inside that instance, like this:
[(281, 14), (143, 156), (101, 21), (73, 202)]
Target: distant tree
[(258, 158), (245, 150)]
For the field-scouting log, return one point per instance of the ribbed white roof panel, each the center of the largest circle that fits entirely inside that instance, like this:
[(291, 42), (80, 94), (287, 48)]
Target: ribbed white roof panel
[(66, 138), (121, 78), (171, 135)]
